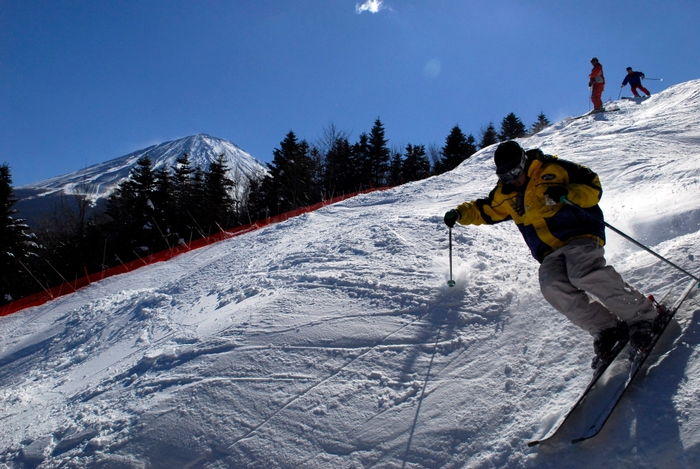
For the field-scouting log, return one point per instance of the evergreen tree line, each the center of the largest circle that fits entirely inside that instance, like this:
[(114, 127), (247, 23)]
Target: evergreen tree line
[(302, 174), (151, 211), (157, 209)]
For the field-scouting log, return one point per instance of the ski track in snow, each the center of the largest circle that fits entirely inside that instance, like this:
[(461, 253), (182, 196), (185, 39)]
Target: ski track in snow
[(333, 340)]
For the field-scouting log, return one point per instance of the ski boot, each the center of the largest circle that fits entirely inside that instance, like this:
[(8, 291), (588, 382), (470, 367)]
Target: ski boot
[(607, 343), (642, 333), (661, 315)]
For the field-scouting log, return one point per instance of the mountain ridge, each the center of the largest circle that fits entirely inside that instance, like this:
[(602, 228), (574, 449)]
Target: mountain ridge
[(98, 181)]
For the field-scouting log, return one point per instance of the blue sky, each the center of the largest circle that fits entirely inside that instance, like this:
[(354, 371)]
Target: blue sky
[(83, 82)]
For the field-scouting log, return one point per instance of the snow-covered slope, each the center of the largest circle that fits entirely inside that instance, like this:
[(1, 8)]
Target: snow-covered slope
[(332, 340), (99, 181)]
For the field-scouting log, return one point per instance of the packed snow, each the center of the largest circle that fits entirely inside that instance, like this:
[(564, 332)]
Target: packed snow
[(333, 341)]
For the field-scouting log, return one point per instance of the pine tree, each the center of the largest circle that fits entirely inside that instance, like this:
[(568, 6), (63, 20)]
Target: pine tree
[(17, 244), (182, 182), (297, 180), (132, 212), (416, 165), (165, 207), (541, 123), (511, 127), (471, 145), (219, 203), (488, 136), (379, 155), (338, 168), (184, 199), (361, 164), (255, 205), (316, 190), (395, 177), (457, 148), (290, 177)]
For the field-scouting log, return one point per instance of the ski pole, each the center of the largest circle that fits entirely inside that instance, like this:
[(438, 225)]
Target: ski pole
[(658, 79), (629, 238), (451, 282)]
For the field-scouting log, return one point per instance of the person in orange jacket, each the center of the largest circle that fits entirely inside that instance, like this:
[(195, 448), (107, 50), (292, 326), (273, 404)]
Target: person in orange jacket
[(596, 83)]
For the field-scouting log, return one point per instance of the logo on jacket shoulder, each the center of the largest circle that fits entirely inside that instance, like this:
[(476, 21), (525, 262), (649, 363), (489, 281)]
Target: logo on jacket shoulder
[(548, 176)]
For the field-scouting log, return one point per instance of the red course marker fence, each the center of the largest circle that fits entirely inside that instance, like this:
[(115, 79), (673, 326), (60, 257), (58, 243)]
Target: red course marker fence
[(45, 296)]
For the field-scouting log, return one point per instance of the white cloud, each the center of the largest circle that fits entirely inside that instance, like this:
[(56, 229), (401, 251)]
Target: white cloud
[(373, 6)]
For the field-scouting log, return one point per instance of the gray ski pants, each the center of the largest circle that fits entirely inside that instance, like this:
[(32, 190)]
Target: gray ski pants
[(576, 282)]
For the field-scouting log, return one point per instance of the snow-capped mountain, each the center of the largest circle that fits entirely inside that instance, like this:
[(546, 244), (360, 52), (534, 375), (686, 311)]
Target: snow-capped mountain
[(99, 181), (332, 340)]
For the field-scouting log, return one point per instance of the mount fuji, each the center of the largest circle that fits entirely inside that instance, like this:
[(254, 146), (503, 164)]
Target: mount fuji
[(98, 181)]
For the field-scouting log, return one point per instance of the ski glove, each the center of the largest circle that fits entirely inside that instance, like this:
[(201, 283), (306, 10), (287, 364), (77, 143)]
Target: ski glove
[(554, 194), (451, 218)]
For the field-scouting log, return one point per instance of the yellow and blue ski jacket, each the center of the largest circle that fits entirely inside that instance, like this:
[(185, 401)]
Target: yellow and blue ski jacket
[(545, 228)]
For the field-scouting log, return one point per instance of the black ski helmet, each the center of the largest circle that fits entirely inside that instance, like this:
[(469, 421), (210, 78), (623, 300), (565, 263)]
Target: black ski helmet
[(508, 156)]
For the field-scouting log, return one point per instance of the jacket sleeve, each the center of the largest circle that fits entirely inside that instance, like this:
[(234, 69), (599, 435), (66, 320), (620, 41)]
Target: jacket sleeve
[(486, 211), (584, 185), (469, 214)]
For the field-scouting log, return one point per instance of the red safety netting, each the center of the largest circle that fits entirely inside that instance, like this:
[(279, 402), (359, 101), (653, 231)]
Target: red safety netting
[(71, 287)]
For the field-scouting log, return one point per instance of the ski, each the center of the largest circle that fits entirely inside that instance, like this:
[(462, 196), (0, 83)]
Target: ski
[(623, 372), (599, 371), (594, 112), (635, 98), (618, 360)]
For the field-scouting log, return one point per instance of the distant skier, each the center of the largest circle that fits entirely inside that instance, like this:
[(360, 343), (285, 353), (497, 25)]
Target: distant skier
[(568, 243), (635, 81), (596, 83)]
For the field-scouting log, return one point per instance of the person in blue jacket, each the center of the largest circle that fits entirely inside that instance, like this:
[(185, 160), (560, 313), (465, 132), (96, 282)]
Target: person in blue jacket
[(635, 81)]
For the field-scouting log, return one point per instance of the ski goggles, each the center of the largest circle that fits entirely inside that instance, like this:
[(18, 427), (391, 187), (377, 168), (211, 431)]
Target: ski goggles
[(511, 175)]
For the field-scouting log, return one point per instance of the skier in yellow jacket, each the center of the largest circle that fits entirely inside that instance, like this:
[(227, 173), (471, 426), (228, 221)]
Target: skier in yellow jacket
[(567, 241)]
